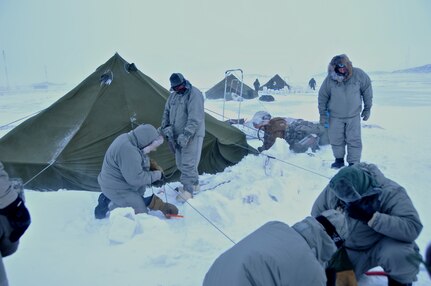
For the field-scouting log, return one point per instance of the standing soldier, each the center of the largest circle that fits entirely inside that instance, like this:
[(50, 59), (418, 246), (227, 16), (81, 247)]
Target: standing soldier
[(312, 83), (183, 125), (340, 103), (256, 85)]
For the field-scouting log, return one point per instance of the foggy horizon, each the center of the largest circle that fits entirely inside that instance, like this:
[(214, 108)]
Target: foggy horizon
[(64, 42)]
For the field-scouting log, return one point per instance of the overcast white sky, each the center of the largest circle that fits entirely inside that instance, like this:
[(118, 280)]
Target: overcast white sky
[(203, 38)]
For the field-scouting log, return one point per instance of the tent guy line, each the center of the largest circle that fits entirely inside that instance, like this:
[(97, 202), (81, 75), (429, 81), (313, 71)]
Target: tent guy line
[(291, 164), (297, 166), (202, 215), (7, 124), (35, 176)]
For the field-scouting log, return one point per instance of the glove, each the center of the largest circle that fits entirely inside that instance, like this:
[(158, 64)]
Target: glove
[(155, 176), (168, 132), (159, 182), (364, 208), (18, 217), (365, 114), (323, 120), (169, 209), (183, 140)]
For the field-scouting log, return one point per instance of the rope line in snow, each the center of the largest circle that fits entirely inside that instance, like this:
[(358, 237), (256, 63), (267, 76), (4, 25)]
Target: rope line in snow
[(201, 214), (297, 166)]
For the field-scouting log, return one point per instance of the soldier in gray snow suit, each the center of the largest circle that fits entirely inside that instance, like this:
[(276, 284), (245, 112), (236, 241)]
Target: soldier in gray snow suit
[(276, 254), (340, 105), (126, 173), (383, 223), (14, 221), (312, 83), (183, 125)]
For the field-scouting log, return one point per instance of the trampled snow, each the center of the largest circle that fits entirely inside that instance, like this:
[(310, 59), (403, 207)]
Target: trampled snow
[(65, 245)]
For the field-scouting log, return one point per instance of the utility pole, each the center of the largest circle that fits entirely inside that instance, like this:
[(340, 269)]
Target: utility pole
[(5, 69)]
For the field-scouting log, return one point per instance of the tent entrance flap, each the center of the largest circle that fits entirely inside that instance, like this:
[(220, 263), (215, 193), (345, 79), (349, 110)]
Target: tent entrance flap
[(233, 88)]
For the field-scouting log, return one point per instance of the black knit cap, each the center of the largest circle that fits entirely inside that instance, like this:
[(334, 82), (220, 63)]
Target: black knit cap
[(176, 79)]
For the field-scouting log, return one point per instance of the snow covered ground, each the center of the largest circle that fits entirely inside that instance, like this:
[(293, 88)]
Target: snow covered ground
[(65, 245)]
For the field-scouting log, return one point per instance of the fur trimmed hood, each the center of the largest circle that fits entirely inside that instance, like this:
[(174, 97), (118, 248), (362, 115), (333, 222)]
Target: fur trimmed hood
[(340, 59)]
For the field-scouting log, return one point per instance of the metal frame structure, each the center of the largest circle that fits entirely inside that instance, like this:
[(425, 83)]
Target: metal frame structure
[(226, 74)]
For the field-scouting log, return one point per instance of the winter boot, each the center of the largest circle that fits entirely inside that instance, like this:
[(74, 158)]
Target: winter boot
[(166, 208), (183, 195), (392, 282), (339, 162), (187, 192), (196, 189), (102, 207)]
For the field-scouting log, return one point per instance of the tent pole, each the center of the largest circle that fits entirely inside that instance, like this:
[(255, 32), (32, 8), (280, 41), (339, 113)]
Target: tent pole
[(226, 74), (240, 95)]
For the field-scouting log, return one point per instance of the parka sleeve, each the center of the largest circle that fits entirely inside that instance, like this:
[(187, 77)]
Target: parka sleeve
[(322, 203), (195, 112), (367, 92), (130, 164), (398, 218), (165, 116), (323, 97)]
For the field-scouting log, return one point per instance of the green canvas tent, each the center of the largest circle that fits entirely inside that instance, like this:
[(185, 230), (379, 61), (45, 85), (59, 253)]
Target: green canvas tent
[(64, 145), (233, 86), (275, 83)]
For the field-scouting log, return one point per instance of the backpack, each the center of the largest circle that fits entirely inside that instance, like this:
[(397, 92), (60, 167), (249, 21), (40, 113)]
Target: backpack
[(301, 129), (309, 141)]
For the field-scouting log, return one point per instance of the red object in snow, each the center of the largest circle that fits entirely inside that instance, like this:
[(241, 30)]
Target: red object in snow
[(175, 216)]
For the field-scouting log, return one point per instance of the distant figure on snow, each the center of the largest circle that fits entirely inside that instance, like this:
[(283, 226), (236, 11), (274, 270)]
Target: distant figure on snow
[(127, 170), (312, 83), (383, 223), (183, 125), (276, 254), (14, 220), (256, 85), (340, 103)]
